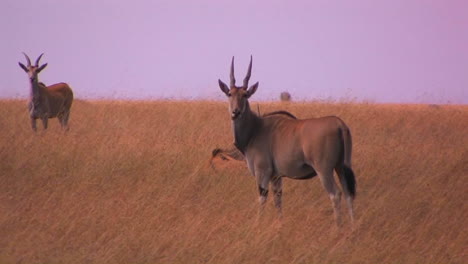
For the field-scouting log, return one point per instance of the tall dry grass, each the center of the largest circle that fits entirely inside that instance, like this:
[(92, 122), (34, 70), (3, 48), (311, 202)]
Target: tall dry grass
[(130, 183)]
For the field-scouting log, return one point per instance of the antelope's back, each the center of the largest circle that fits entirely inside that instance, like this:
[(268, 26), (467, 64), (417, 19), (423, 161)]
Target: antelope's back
[(62, 89), (314, 136)]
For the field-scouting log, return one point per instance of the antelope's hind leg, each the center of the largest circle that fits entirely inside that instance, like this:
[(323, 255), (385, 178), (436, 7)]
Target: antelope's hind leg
[(63, 118), (66, 116), (333, 191)]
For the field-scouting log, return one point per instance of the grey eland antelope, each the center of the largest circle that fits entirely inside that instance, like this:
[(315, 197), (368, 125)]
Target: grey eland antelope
[(279, 145), (47, 101)]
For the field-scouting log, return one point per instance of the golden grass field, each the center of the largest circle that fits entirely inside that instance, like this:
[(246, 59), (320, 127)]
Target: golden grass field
[(130, 183)]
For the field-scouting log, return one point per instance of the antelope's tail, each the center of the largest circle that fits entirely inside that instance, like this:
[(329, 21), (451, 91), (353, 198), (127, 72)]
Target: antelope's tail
[(348, 173), (348, 145), (350, 181)]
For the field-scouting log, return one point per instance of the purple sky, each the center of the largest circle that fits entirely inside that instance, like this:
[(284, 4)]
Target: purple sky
[(379, 51)]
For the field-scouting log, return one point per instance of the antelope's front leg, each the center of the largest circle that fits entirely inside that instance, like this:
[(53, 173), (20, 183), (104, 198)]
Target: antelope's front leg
[(44, 122), (277, 186), (263, 176), (33, 124)]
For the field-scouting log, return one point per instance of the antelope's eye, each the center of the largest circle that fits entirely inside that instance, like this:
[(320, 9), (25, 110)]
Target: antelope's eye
[(229, 94)]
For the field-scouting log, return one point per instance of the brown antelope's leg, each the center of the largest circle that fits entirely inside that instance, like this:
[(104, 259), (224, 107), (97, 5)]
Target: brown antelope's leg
[(33, 124), (65, 120), (60, 119), (44, 122), (263, 192), (263, 176), (262, 183), (277, 187), (334, 193)]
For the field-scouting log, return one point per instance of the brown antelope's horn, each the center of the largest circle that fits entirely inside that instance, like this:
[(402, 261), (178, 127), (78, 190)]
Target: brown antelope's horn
[(247, 77), (233, 79), (27, 58), (38, 59)]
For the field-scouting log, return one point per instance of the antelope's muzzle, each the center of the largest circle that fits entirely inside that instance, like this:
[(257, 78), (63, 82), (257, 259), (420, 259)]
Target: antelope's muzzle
[(235, 113)]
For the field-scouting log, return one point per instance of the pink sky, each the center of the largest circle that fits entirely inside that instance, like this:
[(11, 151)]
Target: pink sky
[(379, 51)]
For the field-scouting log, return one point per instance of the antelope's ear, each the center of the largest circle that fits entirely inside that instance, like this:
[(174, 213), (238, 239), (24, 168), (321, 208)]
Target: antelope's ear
[(224, 88), (41, 68), (252, 90), (23, 67)]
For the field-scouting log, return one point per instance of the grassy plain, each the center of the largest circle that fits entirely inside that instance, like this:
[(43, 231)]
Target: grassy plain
[(130, 183)]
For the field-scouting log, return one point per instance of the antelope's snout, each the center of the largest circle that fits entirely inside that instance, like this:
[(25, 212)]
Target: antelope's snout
[(235, 113)]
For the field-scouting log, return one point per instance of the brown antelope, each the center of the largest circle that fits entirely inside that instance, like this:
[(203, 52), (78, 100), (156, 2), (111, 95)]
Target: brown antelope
[(278, 145), (47, 101)]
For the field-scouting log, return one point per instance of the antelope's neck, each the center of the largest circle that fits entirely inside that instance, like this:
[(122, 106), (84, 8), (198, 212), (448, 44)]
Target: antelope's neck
[(35, 90), (245, 127)]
